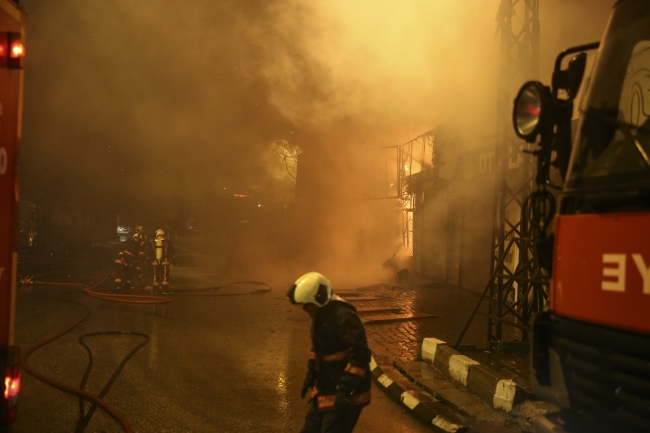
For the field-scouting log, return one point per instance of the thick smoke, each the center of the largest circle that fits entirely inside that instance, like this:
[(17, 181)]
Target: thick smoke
[(161, 105), (156, 96)]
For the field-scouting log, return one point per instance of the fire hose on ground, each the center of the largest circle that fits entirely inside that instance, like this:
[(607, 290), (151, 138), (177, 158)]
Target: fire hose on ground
[(97, 401), (83, 395)]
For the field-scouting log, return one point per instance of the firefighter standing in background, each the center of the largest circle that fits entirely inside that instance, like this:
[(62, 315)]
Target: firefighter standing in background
[(163, 256), (338, 373), (144, 256), (125, 263)]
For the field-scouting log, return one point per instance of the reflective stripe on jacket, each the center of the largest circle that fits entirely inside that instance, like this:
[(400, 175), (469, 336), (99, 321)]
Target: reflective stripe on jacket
[(358, 399)]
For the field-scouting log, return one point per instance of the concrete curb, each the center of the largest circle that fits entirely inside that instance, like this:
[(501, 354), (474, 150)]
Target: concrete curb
[(498, 391), (425, 409)]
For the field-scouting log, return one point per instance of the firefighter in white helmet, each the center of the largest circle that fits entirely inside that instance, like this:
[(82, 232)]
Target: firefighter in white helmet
[(163, 257), (338, 373)]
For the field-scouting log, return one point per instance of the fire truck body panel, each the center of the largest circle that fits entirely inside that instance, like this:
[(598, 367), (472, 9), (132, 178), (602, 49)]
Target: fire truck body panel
[(591, 351), (602, 269), (12, 24), (11, 21), (610, 160)]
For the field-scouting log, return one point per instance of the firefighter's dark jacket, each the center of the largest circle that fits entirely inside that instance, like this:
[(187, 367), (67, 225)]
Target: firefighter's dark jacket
[(340, 354), (127, 253)]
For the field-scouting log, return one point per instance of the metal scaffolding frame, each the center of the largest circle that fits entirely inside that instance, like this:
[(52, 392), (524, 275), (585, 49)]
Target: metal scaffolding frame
[(413, 157), (411, 160), (516, 289)]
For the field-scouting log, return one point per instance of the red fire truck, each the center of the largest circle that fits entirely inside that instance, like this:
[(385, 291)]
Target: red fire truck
[(591, 350), (12, 31)]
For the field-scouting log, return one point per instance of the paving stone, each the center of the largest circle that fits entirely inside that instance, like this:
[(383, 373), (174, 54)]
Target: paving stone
[(361, 299), (398, 344), (377, 310), (396, 318), (452, 307)]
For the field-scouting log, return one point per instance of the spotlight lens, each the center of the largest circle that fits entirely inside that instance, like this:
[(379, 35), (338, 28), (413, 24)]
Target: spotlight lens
[(528, 109)]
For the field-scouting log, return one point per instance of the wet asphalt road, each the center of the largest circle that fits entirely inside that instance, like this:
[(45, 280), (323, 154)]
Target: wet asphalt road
[(223, 360)]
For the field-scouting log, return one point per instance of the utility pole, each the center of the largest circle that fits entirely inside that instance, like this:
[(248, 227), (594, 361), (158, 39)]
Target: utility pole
[(517, 287)]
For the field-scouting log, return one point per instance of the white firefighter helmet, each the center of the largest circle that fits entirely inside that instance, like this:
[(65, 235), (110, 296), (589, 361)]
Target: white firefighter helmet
[(160, 234), (139, 229), (311, 288)]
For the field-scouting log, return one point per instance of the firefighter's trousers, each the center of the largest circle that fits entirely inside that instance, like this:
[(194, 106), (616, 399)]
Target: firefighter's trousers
[(123, 275), (143, 268), (330, 421), (160, 276)]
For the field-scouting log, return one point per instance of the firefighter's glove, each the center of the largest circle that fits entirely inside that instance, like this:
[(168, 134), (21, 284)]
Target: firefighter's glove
[(307, 385), (343, 399)]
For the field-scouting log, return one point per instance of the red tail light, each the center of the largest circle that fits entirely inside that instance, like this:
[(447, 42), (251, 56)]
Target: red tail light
[(12, 383), (13, 50), (10, 363), (16, 50)]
